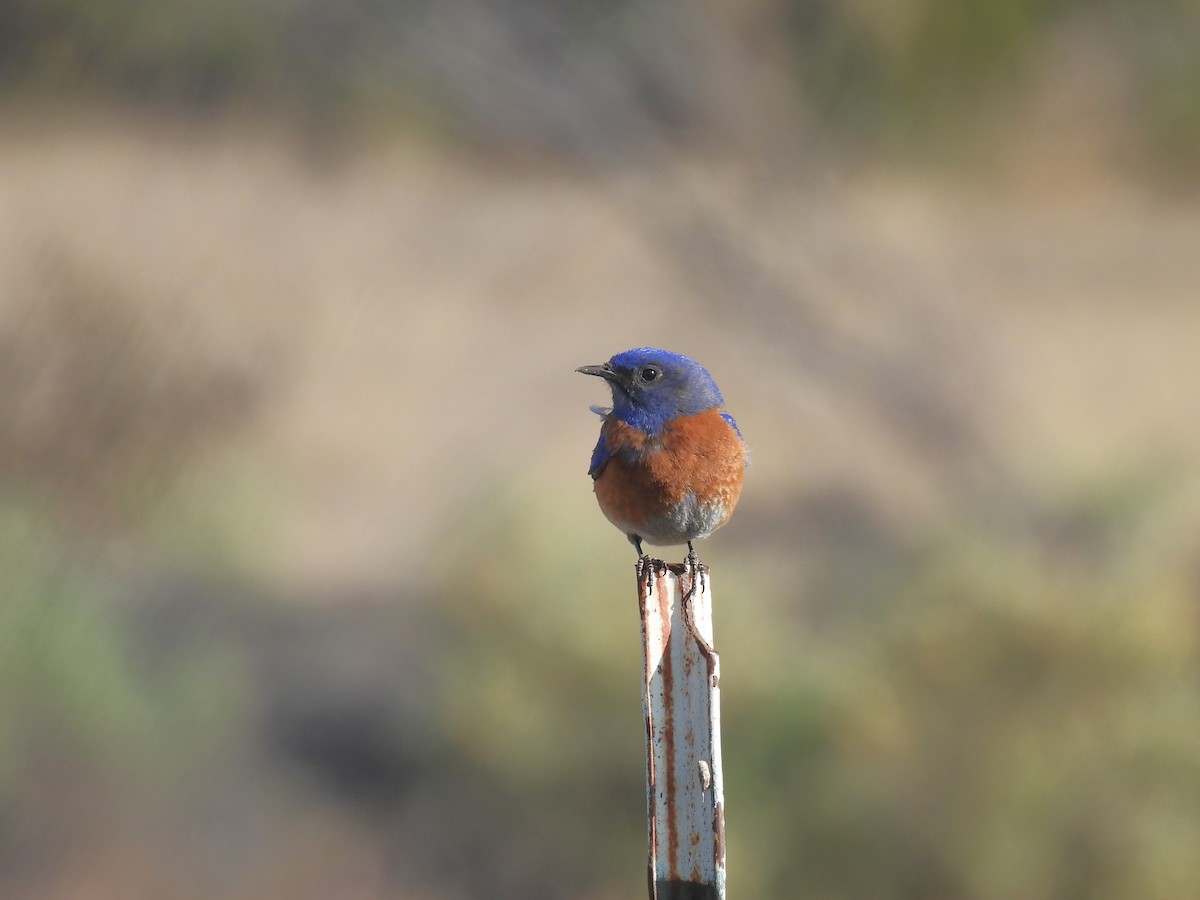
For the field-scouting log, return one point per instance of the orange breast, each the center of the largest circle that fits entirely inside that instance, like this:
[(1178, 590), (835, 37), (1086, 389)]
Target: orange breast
[(697, 461)]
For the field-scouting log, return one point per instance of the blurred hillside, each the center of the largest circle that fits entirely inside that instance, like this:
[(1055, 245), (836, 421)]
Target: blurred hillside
[(304, 591), (598, 84)]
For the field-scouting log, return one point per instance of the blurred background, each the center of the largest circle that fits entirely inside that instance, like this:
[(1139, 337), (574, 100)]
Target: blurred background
[(303, 591)]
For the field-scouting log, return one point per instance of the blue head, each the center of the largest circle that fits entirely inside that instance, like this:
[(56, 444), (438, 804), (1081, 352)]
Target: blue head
[(650, 387)]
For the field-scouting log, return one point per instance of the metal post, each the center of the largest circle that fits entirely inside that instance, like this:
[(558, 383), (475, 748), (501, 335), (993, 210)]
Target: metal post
[(681, 703)]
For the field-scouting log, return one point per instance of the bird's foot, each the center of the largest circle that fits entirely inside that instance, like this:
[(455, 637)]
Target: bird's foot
[(695, 567), (644, 562), (645, 569)]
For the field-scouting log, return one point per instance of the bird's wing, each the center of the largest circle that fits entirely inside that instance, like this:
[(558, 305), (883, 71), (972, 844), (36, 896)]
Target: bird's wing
[(600, 457), (732, 424)]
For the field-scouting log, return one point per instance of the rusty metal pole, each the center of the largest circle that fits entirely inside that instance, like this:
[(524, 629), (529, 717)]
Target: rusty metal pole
[(681, 702)]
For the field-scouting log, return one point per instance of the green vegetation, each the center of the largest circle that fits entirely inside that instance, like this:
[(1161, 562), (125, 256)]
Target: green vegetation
[(877, 76), (1006, 717)]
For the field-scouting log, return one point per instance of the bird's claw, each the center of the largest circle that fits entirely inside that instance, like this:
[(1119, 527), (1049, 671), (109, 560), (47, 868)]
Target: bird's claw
[(645, 563), (695, 568)]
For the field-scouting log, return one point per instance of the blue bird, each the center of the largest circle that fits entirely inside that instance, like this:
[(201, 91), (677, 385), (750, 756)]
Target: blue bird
[(669, 464)]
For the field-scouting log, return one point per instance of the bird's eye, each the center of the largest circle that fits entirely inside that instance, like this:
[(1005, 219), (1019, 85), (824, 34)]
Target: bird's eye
[(649, 374)]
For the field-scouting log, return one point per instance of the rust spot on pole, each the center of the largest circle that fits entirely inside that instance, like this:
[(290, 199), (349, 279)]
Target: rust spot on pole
[(667, 725), (719, 832)]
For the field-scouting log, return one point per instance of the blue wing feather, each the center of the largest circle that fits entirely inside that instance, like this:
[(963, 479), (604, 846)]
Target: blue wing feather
[(732, 424), (600, 458)]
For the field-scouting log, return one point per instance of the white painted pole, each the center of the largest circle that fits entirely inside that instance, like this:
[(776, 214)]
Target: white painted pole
[(681, 702)]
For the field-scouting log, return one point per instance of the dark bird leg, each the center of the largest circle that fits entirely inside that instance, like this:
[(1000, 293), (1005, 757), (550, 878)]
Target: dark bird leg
[(693, 562)]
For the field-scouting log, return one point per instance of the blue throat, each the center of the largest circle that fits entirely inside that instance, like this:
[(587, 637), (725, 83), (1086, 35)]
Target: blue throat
[(653, 418)]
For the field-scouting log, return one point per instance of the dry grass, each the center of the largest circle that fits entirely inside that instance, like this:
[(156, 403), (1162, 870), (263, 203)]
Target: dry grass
[(410, 317)]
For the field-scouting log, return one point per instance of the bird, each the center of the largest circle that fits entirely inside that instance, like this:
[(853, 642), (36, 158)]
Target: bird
[(670, 461)]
